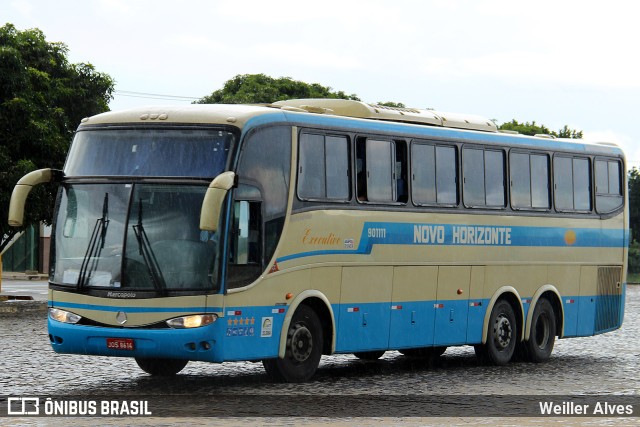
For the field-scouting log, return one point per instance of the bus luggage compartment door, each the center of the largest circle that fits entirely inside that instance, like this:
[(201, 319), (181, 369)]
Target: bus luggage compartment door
[(364, 309)]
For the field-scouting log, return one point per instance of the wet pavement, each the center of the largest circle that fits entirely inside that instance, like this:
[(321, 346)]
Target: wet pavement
[(602, 367)]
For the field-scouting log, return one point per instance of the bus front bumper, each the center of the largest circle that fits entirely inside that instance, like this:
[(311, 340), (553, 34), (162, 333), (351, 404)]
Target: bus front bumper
[(190, 344)]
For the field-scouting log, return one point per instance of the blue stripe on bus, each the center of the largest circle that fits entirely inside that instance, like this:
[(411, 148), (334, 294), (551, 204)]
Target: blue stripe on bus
[(128, 309), (386, 233)]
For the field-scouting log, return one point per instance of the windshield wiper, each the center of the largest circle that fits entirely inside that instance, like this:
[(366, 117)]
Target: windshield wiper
[(95, 246), (148, 255)]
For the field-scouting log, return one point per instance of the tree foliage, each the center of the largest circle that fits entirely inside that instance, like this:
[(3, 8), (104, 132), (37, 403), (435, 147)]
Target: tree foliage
[(532, 128), (42, 100), (392, 104), (262, 89)]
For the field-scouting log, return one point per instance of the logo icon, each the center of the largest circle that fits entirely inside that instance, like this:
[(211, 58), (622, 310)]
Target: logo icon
[(23, 406), (121, 317)]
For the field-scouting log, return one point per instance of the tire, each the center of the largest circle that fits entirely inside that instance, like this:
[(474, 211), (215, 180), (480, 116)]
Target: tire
[(502, 336), (303, 349), (369, 355), (161, 367), (543, 333)]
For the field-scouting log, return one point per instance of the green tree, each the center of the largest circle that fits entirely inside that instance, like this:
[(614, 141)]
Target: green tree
[(532, 128), (42, 100), (565, 132), (392, 104), (262, 89)]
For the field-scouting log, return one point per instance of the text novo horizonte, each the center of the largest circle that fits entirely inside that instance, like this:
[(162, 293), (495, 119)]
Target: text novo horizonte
[(461, 235)]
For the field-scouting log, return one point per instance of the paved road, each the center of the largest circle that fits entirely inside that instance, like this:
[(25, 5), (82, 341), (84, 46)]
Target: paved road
[(38, 289), (602, 367)]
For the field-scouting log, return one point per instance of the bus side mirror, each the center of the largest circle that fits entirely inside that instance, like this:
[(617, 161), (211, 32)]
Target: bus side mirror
[(212, 204), (23, 188)]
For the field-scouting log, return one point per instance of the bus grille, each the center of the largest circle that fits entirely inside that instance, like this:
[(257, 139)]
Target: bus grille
[(609, 299)]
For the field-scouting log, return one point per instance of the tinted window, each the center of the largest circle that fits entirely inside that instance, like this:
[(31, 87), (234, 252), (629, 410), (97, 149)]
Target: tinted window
[(323, 171), (311, 172), (337, 167), (447, 175), (473, 170), (563, 177), (423, 169), (494, 177), (529, 181), (149, 152), (520, 180), (434, 174), (483, 172), (380, 167), (572, 181), (581, 185), (608, 178), (265, 164), (540, 182)]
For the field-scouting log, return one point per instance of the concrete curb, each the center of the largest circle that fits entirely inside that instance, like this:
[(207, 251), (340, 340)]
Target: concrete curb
[(23, 276), (18, 308)]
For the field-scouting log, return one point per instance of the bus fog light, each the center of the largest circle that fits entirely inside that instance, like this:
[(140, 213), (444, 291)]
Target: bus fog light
[(193, 321), (63, 316)]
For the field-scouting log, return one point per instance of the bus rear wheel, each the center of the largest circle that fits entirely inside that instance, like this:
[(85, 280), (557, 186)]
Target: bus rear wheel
[(303, 349), (161, 367), (502, 335), (543, 333)]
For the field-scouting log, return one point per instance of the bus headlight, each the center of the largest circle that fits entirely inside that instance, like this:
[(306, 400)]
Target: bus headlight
[(193, 321), (63, 316)]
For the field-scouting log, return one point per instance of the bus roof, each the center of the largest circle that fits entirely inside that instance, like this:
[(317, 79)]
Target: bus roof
[(321, 111), (233, 114)]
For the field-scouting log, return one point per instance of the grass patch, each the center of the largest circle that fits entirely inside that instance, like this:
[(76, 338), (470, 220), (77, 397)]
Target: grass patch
[(633, 278)]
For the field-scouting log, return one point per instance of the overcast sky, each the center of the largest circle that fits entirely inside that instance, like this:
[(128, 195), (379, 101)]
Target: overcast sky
[(556, 62)]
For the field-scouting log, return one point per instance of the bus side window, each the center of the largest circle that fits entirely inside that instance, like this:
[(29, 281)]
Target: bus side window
[(245, 246), (608, 188), (572, 183), (434, 174), (529, 181), (323, 169), (381, 171), (483, 177)]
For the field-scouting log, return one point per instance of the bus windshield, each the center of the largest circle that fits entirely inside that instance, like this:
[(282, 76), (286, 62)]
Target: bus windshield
[(135, 237), (175, 152)]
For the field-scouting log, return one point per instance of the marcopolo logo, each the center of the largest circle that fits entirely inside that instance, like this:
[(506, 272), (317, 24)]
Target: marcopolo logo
[(70, 407)]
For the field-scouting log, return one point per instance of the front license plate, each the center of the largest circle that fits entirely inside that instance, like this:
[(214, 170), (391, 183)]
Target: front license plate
[(121, 344)]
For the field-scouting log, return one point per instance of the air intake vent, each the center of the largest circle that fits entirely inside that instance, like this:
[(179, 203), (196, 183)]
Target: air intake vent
[(609, 299)]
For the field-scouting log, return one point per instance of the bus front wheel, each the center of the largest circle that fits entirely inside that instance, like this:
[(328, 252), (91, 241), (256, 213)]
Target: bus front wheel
[(501, 335), (161, 367), (303, 349)]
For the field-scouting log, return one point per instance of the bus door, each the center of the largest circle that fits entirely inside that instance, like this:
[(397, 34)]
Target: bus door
[(452, 305)]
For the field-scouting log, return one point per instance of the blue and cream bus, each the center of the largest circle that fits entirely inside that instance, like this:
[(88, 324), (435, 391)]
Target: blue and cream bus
[(313, 227)]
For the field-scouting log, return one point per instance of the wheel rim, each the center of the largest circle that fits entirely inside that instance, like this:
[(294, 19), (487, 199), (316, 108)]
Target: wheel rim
[(301, 343), (502, 332), (542, 331)]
